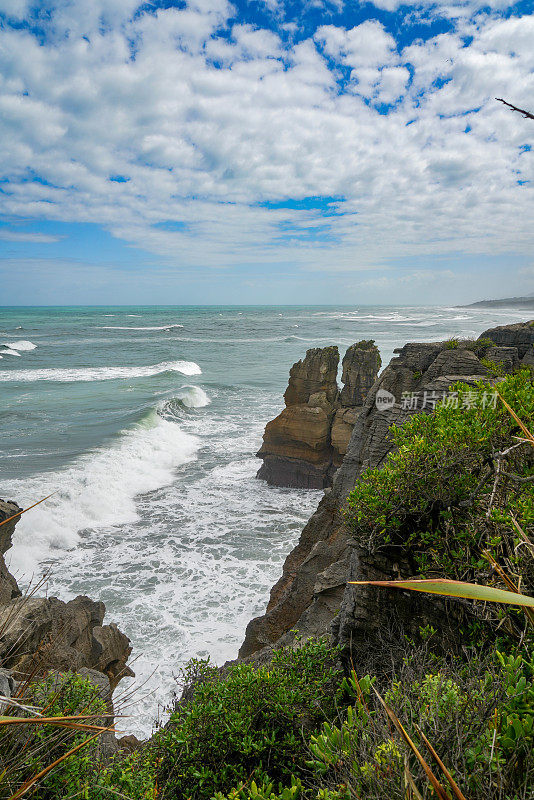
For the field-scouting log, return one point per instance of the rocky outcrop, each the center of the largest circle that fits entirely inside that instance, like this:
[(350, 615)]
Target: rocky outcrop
[(312, 595), (360, 369), (304, 444), (8, 585), (520, 336), (42, 633), (317, 373)]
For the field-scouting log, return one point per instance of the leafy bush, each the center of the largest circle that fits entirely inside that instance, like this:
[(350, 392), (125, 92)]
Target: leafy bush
[(432, 496), (249, 724), (495, 368), (265, 791), (26, 752), (479, 346), (478, 716)]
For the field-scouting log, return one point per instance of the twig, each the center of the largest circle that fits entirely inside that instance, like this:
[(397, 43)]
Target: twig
[(494, 490), (518, 478), (526, 114)]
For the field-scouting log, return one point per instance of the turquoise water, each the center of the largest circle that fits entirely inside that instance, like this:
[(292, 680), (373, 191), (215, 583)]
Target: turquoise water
[(145, 422)]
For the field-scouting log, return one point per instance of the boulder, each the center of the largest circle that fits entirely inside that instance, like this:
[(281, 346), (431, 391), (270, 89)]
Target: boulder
[(507, 357), (41, 633)]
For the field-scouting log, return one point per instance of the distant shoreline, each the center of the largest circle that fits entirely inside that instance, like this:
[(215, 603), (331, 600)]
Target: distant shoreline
[(507, 302)]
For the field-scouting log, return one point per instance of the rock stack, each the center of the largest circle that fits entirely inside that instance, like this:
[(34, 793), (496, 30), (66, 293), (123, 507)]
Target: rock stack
[(304, 445), (312, 596)]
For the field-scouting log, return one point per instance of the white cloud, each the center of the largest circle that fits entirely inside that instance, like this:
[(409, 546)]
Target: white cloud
[(366, 45), (207, 146), (23, 236)]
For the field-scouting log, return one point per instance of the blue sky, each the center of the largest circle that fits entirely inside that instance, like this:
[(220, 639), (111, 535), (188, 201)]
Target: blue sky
[(327, 151)]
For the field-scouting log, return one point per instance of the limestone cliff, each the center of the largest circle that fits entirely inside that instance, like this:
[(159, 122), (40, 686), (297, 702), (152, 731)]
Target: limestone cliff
[(304, 444), (312, 595)]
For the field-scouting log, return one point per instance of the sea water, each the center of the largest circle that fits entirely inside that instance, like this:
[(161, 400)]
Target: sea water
[(144, 422)]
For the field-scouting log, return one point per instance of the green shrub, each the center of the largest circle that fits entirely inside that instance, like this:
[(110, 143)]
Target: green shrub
[(26, 752), (478, 716), (264, 791), (250, 724), (479, 346), (495, 368), (131, 776), (431, 496)]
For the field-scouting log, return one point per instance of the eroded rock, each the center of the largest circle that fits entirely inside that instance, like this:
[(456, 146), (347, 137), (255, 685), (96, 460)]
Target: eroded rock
[(312, 595), (42, 633), (306, 442)]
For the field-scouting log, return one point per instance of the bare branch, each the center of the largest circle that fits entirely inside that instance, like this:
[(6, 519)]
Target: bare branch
[(526, 114)]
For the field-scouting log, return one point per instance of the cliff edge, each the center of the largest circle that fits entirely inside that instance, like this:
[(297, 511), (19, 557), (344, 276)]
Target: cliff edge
[(312, 595)]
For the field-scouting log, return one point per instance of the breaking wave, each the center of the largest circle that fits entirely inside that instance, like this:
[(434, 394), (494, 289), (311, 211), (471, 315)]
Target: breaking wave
[(22, 345), (99, 489), (68, 375)]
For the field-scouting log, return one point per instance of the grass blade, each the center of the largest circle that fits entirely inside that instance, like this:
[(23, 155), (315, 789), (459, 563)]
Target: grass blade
[(33, 780), (454, 786), (450, 588), (436, 785), (23, 511), (521, 424)]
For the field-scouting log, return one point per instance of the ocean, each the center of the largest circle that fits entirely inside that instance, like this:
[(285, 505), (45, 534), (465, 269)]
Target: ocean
[(145, 422)]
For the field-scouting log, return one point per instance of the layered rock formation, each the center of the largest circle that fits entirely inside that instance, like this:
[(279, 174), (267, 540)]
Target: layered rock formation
[(42, 633), (304, 444), (312, 595)]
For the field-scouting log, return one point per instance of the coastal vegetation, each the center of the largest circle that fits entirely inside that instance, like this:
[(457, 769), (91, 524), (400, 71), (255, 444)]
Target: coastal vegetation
[(455, 499)]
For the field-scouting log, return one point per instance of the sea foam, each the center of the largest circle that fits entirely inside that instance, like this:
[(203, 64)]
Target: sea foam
[(188, 396), (68, 375), (22, 345), (140, 328), (98, 489)]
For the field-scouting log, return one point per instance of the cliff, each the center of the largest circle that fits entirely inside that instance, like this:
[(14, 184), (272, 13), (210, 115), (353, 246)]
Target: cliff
[(304, 444), (312, 595)]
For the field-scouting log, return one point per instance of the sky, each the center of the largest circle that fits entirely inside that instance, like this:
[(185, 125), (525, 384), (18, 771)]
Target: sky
[(271, 151)]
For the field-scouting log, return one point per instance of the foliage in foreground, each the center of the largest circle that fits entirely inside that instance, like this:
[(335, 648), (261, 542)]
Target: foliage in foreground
[(448, 490), (275, 733), (478, 715), (253, 724), (29, 751), (458, 484)]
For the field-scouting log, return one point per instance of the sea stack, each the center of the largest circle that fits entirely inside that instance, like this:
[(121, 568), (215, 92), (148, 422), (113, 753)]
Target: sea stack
[(303, 446)]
